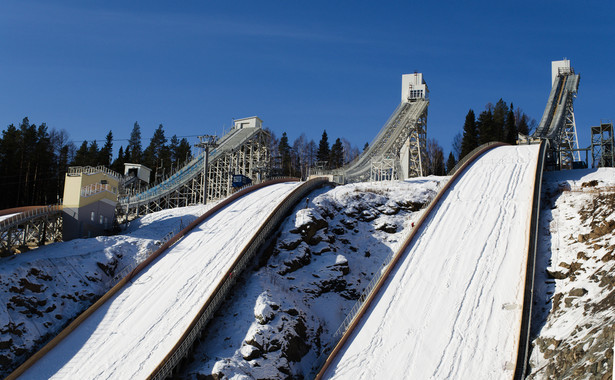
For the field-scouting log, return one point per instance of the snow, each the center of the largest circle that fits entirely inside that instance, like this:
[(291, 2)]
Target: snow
[(8, 216), (573, 313), (452, 307), (317, 292), (129, 335)]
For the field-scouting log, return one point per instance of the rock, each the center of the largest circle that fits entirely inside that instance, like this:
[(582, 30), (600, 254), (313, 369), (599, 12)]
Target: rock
[(308, 222), (264, 309), (291, 243), (558, 275), (249, 352), (568, 301), (298, 259), (578, 292), (582, 238)]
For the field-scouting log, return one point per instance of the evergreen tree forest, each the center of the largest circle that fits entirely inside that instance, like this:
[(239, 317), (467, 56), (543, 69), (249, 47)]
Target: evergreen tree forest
[(496, 123), (297, 159), (34, 160)]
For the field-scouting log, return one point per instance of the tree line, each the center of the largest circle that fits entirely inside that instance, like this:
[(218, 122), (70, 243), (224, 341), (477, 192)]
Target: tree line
[(498, 122), (35, 159), (297, 159)]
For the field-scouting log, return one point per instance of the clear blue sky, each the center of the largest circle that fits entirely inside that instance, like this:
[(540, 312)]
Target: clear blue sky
[(90, 67)]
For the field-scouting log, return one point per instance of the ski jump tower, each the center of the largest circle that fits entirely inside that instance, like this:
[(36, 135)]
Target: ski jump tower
[(557, 124), (243, 151), (398, 151)]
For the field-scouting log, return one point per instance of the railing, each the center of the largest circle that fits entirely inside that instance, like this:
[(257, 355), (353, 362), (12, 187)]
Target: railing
[(352, 319), (528, 295), (96, 188), (29, 215), (74, 171)]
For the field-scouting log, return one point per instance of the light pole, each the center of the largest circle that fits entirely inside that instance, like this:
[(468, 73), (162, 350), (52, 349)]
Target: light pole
[(205, 142)]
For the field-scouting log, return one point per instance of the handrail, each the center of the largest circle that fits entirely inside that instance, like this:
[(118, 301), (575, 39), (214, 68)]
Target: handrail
[(528, 295), (185, 343), (29, 214), (467, 161), (78, 170), (89, 311)]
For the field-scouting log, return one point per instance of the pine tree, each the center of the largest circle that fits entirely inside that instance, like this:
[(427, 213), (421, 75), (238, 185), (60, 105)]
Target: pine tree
[(106, 152), (93, 154), (323, 152), (499, 120), (81, 155), (285, 157), (511, 128), (450, 163), (336, 155), (134, 144), (157, 156), (469, 140), (118, 163), (365, 147), (487, 132), (523, 127)]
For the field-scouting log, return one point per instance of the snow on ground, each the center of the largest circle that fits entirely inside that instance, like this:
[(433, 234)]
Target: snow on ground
[(574, 308), (128, 336), (283, 313), (452, 307), (42, 290)]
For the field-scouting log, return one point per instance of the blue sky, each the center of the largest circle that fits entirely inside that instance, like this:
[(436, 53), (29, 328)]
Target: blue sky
[(90, 67)]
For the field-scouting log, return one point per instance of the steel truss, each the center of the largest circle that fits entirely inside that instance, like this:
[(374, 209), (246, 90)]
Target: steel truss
[(603, 154), (248, 157), (31, 228), (398, 151), (568, 142)]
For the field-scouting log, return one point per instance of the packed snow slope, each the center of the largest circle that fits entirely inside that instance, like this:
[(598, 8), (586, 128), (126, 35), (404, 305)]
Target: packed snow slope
[(452, 307), (129, 336)]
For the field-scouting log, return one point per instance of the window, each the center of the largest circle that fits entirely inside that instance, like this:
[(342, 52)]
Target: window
[(93, 216), (101, 219)]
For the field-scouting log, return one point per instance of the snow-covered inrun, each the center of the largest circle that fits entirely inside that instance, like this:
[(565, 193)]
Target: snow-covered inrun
[(452, 307), (127, 337)]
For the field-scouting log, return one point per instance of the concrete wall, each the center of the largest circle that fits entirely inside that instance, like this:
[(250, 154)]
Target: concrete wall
[(248, 122), (412, 87)]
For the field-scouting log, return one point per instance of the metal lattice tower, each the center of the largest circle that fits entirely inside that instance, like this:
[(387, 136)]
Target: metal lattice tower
[(602, 145), (244, 150), (558, 122), (398, 151)]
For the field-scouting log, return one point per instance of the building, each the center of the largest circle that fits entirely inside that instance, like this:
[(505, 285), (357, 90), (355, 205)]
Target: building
[(90, 197)]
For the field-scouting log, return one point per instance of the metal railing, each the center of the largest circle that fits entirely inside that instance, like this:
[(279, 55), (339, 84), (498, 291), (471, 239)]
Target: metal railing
[(96, 188), (29, 215), (89, 170)]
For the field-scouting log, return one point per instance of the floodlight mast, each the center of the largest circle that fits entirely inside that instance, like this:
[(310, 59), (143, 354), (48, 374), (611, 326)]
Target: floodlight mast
[(206, 141)]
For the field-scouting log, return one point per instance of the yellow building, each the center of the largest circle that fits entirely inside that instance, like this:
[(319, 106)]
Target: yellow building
[(90, 197)]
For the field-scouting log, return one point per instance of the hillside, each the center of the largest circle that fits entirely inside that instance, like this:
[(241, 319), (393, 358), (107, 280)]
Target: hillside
[(574, 321)]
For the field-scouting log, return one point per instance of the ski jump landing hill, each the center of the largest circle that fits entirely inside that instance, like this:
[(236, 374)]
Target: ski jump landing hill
[(455, 301), (146, 324)]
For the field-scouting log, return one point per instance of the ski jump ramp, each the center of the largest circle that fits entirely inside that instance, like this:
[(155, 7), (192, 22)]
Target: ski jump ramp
[(137, 330), (451, 306)]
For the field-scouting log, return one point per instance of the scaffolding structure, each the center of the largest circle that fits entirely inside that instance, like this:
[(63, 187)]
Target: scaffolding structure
[(602, 145), (244, 150), (33, 227)]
